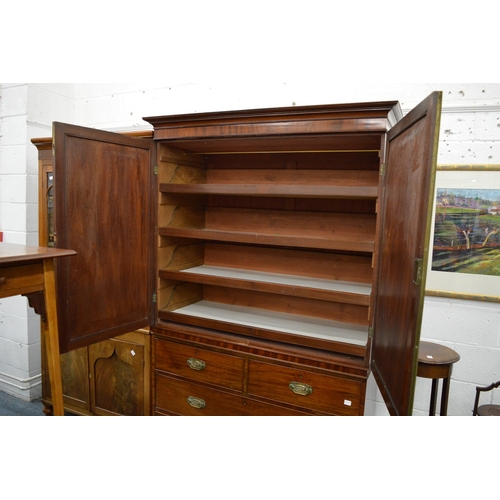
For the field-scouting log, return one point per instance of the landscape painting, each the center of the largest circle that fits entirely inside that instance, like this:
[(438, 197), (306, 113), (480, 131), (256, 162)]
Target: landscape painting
[(464, 244), (467, 231)]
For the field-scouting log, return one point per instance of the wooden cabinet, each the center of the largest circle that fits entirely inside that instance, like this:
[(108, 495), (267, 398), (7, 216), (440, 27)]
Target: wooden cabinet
[(201, 373), (111, 377), (120, 375), (284, 249)]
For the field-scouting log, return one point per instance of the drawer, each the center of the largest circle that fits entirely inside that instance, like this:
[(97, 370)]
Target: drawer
[(200, 365), (180, 397), (324, 393), (23, 279)]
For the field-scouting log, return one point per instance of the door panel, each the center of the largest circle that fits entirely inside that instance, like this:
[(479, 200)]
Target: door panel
[(104, 199), (406, 208), (117, 368)]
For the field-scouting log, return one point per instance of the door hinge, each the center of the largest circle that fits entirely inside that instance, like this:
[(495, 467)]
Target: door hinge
[(419, 269), (370, 332), (155, 169), (154, 298), (382, 169)]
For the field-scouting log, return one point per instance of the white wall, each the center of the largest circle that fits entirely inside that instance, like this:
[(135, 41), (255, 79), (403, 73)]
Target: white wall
[(23, 109), (469, 134)]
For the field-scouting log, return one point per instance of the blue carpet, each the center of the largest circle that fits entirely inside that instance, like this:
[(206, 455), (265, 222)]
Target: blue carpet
[(10, 406)]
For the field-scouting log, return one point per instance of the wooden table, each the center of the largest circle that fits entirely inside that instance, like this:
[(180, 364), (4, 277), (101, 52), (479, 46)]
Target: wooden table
[(435, 361), (29, 271)]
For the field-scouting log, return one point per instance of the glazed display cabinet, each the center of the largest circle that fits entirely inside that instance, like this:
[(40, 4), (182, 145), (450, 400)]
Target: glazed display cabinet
[(278, 256)]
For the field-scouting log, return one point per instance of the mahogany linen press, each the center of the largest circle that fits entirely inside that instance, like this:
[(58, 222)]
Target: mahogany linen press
[(275, 257)]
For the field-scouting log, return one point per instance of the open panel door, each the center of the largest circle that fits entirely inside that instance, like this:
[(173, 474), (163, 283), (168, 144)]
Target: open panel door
[(406, 211), (104, 204)]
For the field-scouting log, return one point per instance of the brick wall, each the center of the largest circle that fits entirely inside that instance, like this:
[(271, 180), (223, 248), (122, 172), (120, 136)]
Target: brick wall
[(26, 111)]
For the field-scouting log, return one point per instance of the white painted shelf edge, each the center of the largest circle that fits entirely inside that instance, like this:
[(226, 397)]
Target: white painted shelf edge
[(282, 322), (283, 279)]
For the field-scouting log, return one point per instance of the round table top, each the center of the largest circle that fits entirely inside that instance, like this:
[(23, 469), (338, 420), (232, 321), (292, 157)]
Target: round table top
[(436, 354)]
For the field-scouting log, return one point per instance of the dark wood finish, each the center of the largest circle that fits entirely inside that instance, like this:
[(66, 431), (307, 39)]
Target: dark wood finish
[(104, 378), (405, 215), (13, 255), (121, 375), (280, 238), (323, 393), (74, 364), (436, 361), (76, 382), (177, 397), (45, 192), (112, 377), (243, 376), (200, 364), (490, 410), (110, 222), (282, 122), (355, 233)]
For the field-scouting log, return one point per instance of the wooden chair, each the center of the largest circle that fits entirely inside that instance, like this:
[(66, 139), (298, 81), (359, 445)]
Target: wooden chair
[(485, 410)]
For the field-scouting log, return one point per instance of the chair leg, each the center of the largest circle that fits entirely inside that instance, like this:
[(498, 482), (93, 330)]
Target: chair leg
[(476, 402)]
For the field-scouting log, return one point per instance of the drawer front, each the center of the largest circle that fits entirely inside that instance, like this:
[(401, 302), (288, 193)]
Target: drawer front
[(21, 278), (199, 364), (179, 397), (324, 393)]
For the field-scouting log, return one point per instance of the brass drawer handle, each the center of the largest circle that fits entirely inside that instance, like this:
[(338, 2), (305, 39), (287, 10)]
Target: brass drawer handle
[(197, 403), (300, 389), (196, 364)]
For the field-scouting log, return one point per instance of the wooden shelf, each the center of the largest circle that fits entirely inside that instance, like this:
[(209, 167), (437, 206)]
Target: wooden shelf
[(300, 183), (340, 192), (309, 330), (350, 242), (316, 288)]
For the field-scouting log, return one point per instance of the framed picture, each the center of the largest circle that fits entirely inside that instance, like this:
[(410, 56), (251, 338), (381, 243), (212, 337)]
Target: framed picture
[(464, 254)]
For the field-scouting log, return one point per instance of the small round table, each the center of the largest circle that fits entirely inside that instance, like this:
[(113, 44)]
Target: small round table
[(435, 361)]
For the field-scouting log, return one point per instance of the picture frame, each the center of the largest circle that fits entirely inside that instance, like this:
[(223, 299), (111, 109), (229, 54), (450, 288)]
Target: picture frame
[(464, 245)]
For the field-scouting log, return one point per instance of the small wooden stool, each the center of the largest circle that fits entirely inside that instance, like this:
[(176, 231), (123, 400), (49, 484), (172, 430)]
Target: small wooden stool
[(435, 361)]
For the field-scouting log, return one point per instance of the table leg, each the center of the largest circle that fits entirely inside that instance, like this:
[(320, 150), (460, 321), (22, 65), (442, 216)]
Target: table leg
[(444, 396), (432, 407), (51, 333)]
